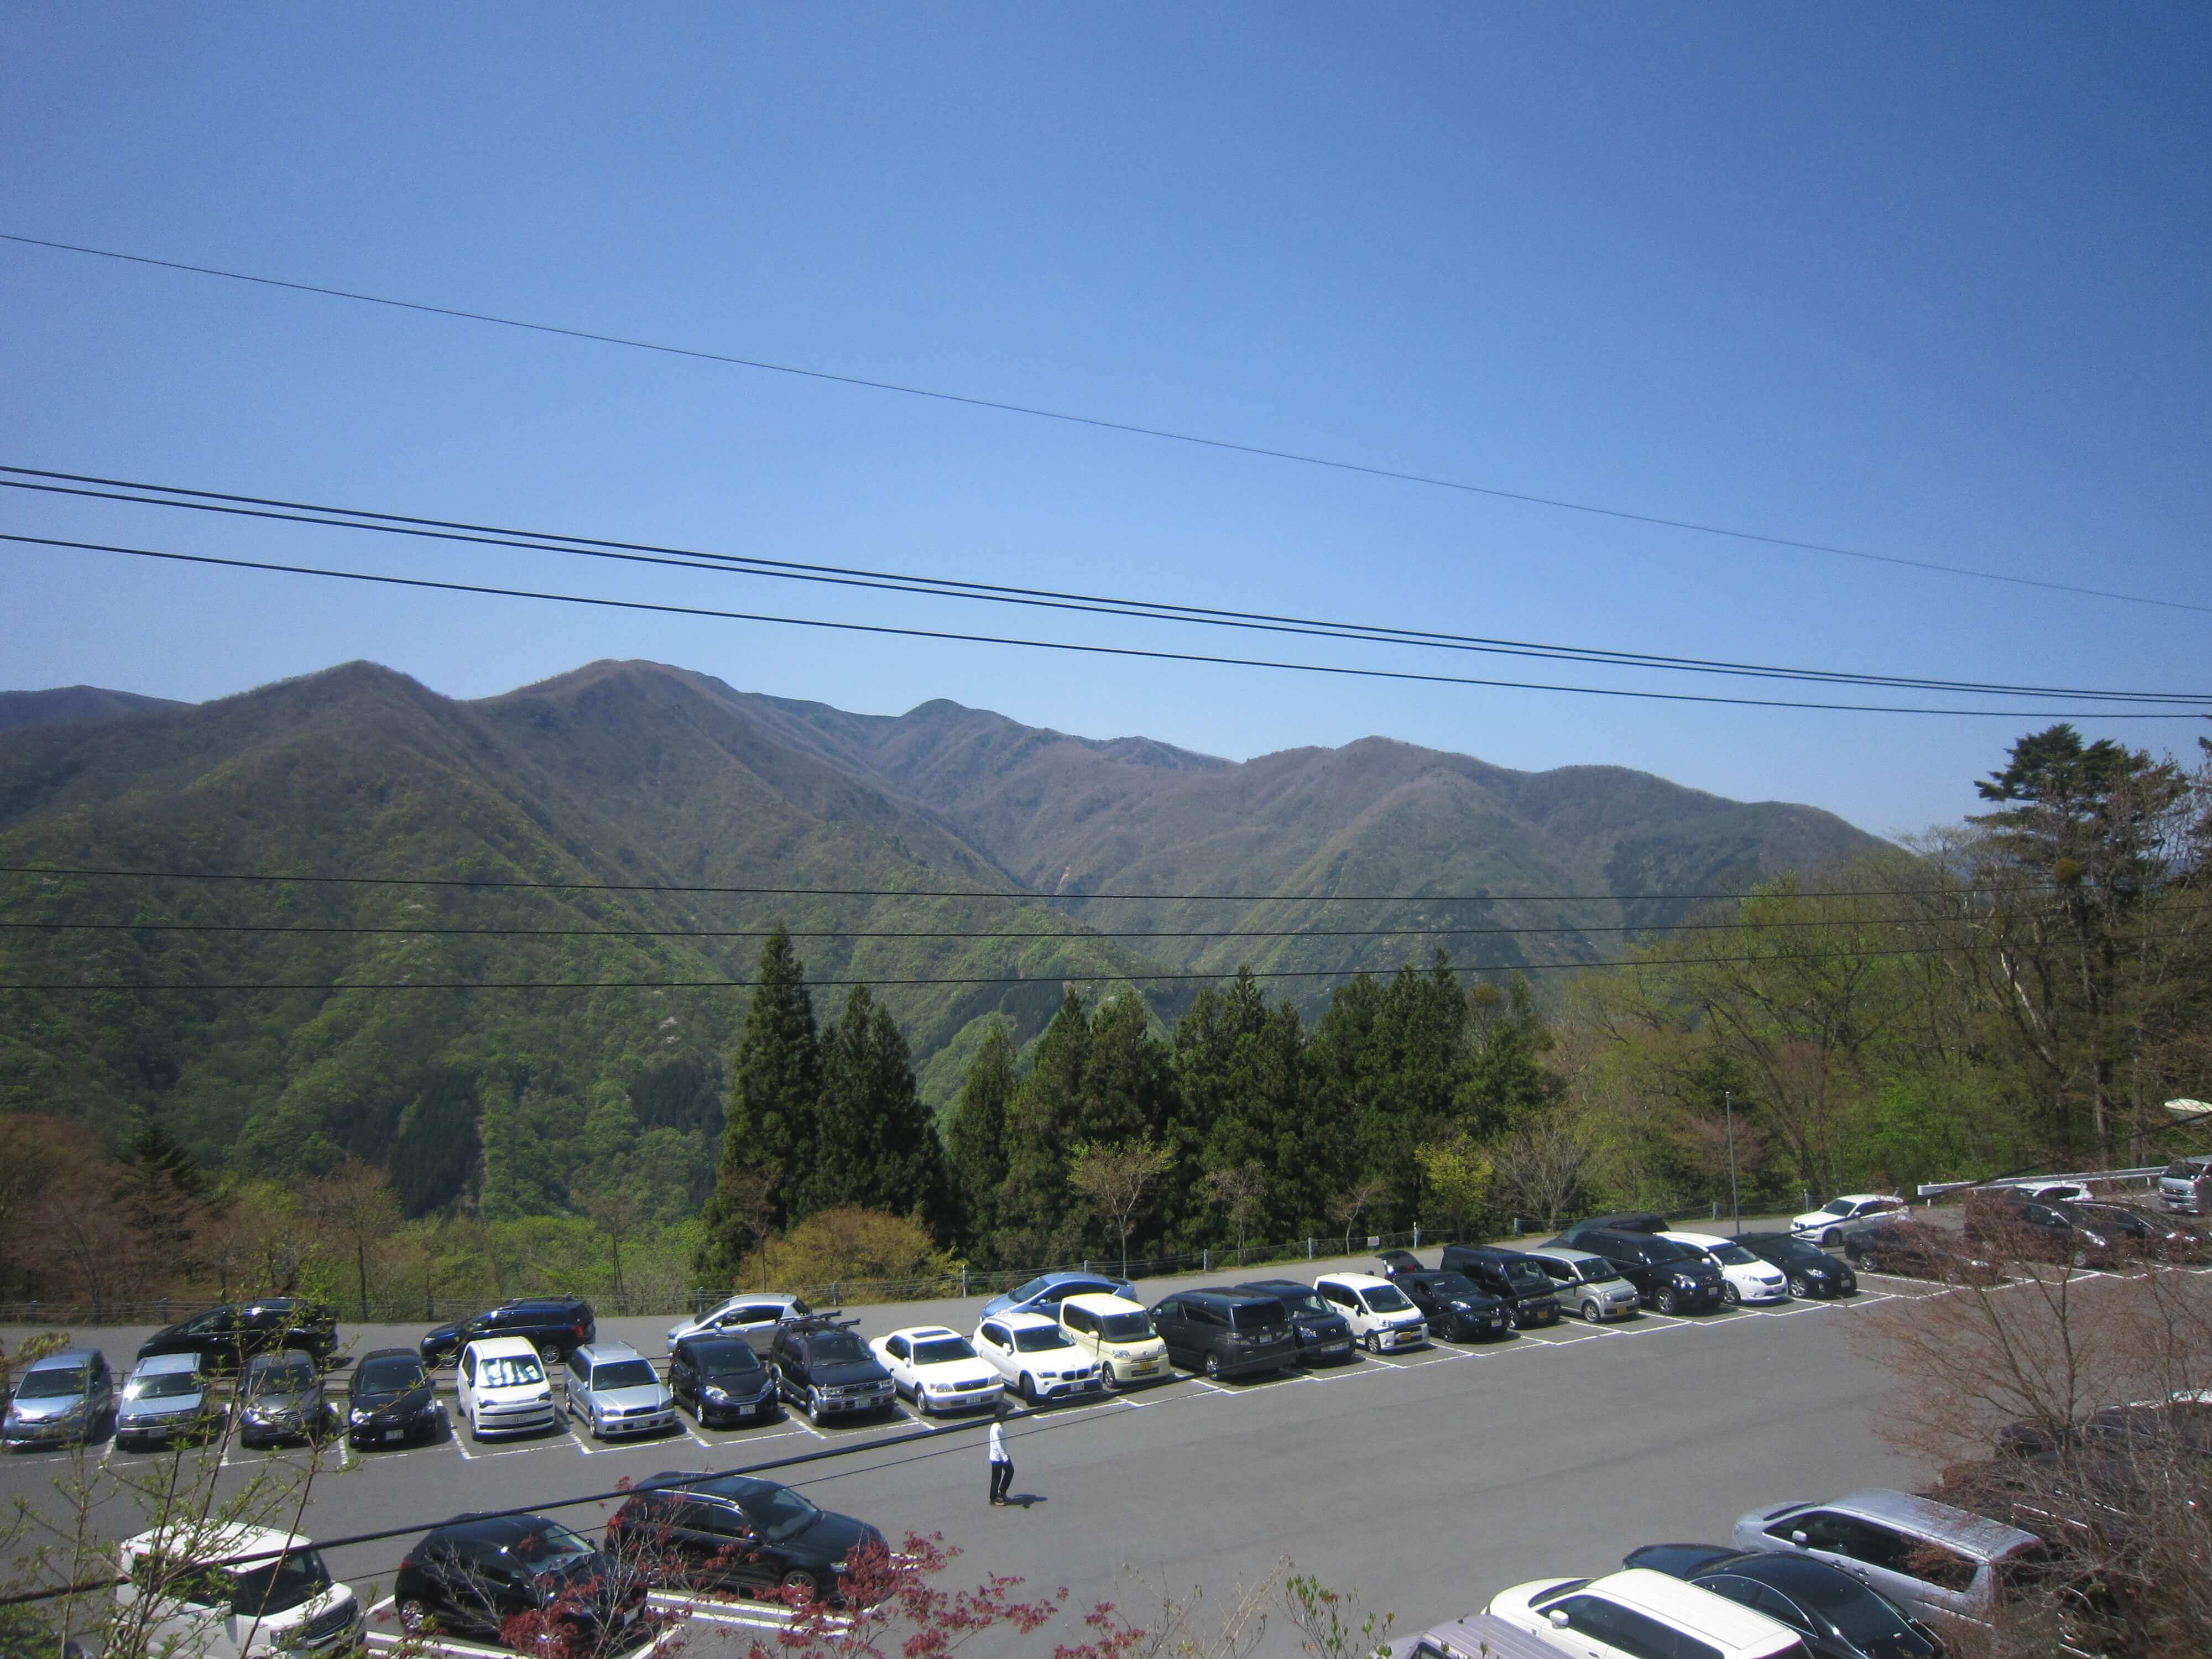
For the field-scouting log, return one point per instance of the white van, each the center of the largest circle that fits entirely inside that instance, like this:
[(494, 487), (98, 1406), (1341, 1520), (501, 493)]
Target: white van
[(499, 1386), (260, 1592), (2178, 1184), (1382, 1318)]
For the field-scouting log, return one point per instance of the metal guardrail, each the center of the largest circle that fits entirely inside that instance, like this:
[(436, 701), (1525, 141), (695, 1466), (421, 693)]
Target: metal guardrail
[(2146, 1173)]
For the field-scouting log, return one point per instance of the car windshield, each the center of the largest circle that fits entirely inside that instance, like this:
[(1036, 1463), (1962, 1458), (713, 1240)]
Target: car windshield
[(1596, 1272), (1733, 1255), (1866, 1617), (1452, 1285), (162, 1385), (726, 1359), (1526, 1277), (551, 1548), (517, 1370), (778, 1512), (1028, 1290), (1041, 1339), (839, 1348), (1666, 1250), (291, 1378), (1798, 1249), (942, 1351), (274, 1586), (624, 1374), (1837, 1206), (52, 1383), (1125, 1326), (1298, 1299), (1385, 1298), (388, 1375)]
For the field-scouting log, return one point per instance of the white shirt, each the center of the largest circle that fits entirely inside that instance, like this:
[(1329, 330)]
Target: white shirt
[(999, 1445)]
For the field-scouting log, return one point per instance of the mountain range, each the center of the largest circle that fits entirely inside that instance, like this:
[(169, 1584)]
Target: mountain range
[(633, 822)]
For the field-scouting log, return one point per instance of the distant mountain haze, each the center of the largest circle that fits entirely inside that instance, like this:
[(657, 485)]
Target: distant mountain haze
[(644, 777)]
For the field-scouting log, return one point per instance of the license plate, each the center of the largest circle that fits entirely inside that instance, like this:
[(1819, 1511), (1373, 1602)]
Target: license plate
[(744, 1411), (394, 1434)]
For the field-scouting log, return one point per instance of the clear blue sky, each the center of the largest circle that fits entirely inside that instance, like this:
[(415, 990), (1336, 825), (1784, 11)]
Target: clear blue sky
[(1927, 281)]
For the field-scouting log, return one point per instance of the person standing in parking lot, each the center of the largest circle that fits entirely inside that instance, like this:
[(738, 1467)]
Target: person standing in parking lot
[(1002, 1463)]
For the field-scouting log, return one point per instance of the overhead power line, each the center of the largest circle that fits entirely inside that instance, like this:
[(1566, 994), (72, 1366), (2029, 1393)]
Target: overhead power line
[(139, 493), (1081, 649), (992, 893), (1131, 428)]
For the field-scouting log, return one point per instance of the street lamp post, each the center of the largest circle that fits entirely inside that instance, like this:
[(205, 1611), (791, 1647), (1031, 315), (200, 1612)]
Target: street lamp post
[(1736, 1195)]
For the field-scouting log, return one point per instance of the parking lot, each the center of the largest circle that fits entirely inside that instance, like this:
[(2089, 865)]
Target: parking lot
[(1426, 1480)]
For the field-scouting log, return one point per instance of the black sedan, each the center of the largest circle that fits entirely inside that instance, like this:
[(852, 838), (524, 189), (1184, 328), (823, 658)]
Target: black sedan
[(517, 1579), (1317, 1330), (1917, 1250), (1841, 1617), (1457, 1309), (226, 1337), (389, 1400), (731, 1532), (1812, 1271)]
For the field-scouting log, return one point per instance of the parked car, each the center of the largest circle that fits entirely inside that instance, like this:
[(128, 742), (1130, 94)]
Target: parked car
[(2181, 1184), (1318, 1331), (2003, 1222), (1744, 1277), (938, 1370), (1384, 1319), (753, 1314), (1586, 1284), (1830, 1224), (1840, 1616), (1454, 1307), (554, 1325), (1672, 1278), (499, 1386), (1046, 1291), (1037, 1359), (1400, 1261), (1810, 1270), (2153, 1237), (823, 1368), (613, 1389), (1621, 1221), (1935, 1561), (1637, 1613), (707, 1531), (61, 1399), (1118, 1333), (280, 1399), (1510, 1275), (1916, 1250), (471, 1576), (720, 1380), (227, 1336), (389, 1400), (1225, 1332), (272, 1595), (1473, 1636), (168, 1401)]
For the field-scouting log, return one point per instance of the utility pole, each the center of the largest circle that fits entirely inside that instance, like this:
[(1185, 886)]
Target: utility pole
[(1736, 1196)]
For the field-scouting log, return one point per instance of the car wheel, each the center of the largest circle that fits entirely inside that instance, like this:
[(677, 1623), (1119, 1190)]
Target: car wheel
[(1870, 1263), (1667, 1302), (921, 1403), (1730, 1294), (1800, 1285), (813, 1407), (1374, 1343), (1830, 1239), (550, 1353), (1214, 1367), (1028, 1391), (2080, 1259), (1592, 1314), (413, 1615), (799, 1582)]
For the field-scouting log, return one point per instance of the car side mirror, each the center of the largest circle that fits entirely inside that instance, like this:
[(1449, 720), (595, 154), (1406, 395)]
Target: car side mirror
[(1559, 1618), (1799, 1540)]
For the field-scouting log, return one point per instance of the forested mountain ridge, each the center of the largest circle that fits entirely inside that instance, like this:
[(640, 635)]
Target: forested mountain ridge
[(74, 702), (629, 777)]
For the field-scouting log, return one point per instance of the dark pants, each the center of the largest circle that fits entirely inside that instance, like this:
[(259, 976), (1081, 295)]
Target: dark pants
[(1002, 1477)]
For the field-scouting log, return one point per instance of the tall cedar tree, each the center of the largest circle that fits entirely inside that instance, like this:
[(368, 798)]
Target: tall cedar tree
[(1503, 1083), (975, 1136), (163, 1189), (768, 1138), (1036, 1209), (1241, 1098), (875, 1147), (1388, 1061)]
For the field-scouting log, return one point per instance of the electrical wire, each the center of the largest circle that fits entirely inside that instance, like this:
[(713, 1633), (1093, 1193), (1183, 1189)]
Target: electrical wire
[(990, 893), (1100, 423), (381, 523), (1145, 654)]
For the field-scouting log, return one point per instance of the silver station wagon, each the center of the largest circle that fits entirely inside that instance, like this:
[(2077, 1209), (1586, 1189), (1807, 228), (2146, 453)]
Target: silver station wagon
[(615, 1390)]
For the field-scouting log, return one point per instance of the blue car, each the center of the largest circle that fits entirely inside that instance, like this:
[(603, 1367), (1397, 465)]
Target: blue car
[(1044, 1293)]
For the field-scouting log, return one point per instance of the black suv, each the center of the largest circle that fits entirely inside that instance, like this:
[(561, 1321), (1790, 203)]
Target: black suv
[(822, 1367), (1669, 1276), (477, 1573), (1521, 1283), (1225, 1332), (226, 1337), (731, 1532), (558, 1325), (1810, 1269), (389, 1400), (1457, 1309), (1318, 1331), (720, 1380)]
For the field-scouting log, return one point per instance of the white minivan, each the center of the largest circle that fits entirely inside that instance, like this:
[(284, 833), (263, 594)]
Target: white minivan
[(499, 1386), (1382, 1320), (259, 1592), (1632, 1614)]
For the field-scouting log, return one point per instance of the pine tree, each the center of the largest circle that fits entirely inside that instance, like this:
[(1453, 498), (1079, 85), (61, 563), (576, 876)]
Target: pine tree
[(875, 1147), (163, 1190), (1035, 1209), (975, 1133), (769, 1138)]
